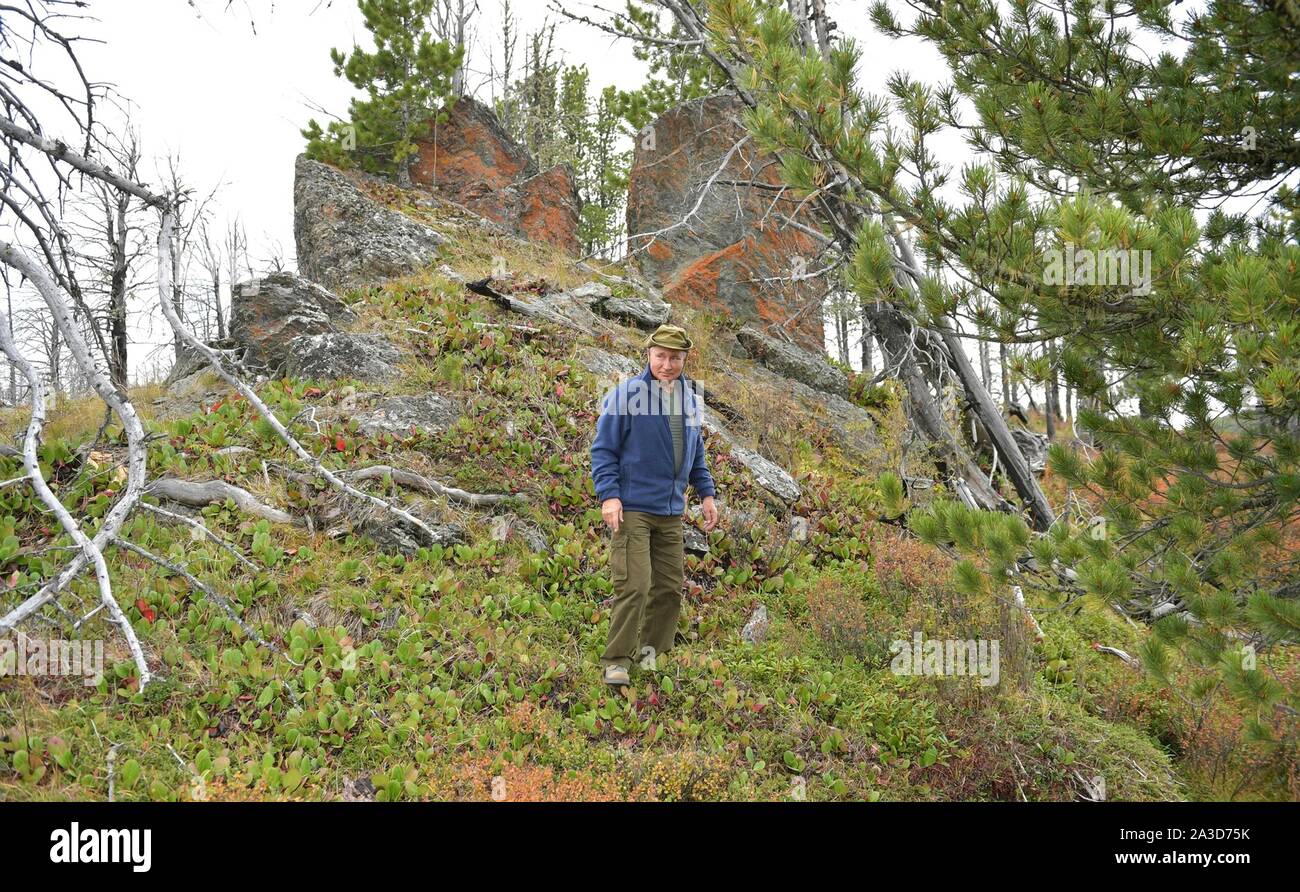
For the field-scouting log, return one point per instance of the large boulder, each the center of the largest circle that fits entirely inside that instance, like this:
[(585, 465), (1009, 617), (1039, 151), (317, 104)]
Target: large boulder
[(345, 239), (428, 413), (268, 312), (340, 354), (550, 209), (470, 159), (645, 311), (282, 324), (611, 367), (714, 247), (470, 154), (793, 361)]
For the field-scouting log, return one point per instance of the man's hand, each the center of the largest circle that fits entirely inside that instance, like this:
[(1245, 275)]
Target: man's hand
[(710, 513), (612, 511)]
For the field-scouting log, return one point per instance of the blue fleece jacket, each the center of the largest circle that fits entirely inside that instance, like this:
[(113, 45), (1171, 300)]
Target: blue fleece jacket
[(632, 454)]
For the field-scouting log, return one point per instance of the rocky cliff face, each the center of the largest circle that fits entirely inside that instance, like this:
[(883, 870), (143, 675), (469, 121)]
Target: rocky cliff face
[(709, 242), (474, 162)]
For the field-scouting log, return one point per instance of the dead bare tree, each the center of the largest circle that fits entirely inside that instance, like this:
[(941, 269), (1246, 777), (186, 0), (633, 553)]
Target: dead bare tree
[(49, 271), (108, 219), (209, 257), (451, 21), (236, 253), (190, 216)]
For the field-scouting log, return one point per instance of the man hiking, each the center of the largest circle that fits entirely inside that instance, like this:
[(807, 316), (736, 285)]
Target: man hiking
[(648, 446)]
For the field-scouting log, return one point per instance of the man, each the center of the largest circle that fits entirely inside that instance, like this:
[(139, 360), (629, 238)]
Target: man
[(648, 445)]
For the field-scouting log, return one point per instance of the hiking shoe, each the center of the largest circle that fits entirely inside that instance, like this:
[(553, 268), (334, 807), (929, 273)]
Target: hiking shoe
[(616, 674)]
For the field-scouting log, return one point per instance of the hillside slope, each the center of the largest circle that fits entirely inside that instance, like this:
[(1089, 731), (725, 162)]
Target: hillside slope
[(467, 669)]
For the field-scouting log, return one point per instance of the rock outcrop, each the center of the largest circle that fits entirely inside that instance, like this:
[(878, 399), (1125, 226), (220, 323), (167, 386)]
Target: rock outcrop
[(344, 239), (283, 324), (579, 308), (427, 413), (713, 248), (645, 311), (341, 354), (794, 362), (269, 312), (471, 160)]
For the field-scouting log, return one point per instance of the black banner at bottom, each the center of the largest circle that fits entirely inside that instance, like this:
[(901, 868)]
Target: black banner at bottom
[(338, 840)]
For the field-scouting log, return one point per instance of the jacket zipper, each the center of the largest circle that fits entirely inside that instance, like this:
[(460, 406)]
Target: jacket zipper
[(677, 476)]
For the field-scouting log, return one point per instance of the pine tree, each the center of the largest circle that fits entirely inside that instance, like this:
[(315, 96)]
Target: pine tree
[(408, 78), (551, 112), (1197, 487)]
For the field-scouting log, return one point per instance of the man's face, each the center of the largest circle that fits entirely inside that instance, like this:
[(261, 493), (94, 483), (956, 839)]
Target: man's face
[(666, 365)]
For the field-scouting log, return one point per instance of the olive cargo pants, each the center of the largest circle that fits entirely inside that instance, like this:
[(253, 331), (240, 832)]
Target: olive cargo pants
[(647, 567)]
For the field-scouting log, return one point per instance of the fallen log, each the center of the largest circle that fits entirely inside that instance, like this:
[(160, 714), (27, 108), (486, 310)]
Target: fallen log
[(196, 494)]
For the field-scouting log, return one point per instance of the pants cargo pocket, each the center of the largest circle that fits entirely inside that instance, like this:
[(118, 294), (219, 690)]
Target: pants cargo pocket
[(618, 561)]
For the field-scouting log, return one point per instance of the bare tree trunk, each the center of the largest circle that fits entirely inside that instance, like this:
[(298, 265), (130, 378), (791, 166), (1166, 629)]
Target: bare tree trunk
[(450, 22), (868, 359), (117, 363), (799, 12), (9, 322), (236, 246), (898, 350), (823, 26), (1006, 383), (1013, 460), (842, 336), (986, 373), (1050, 395), (56, 371)]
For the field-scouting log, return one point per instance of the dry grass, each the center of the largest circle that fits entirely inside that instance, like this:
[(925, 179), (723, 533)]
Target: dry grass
[(73, 419)]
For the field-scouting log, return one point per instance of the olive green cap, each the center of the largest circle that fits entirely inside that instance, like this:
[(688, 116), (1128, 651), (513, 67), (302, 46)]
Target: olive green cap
[(672, 337)]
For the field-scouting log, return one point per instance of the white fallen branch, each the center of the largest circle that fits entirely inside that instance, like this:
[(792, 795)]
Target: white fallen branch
[(196, 494), (91, 549), (413, 480), (1020, 602), (1116, 652), (193, 580)]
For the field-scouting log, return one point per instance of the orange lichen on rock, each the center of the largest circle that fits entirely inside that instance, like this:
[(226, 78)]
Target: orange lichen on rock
[(471, 160), (550, 209), (728, 249)]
